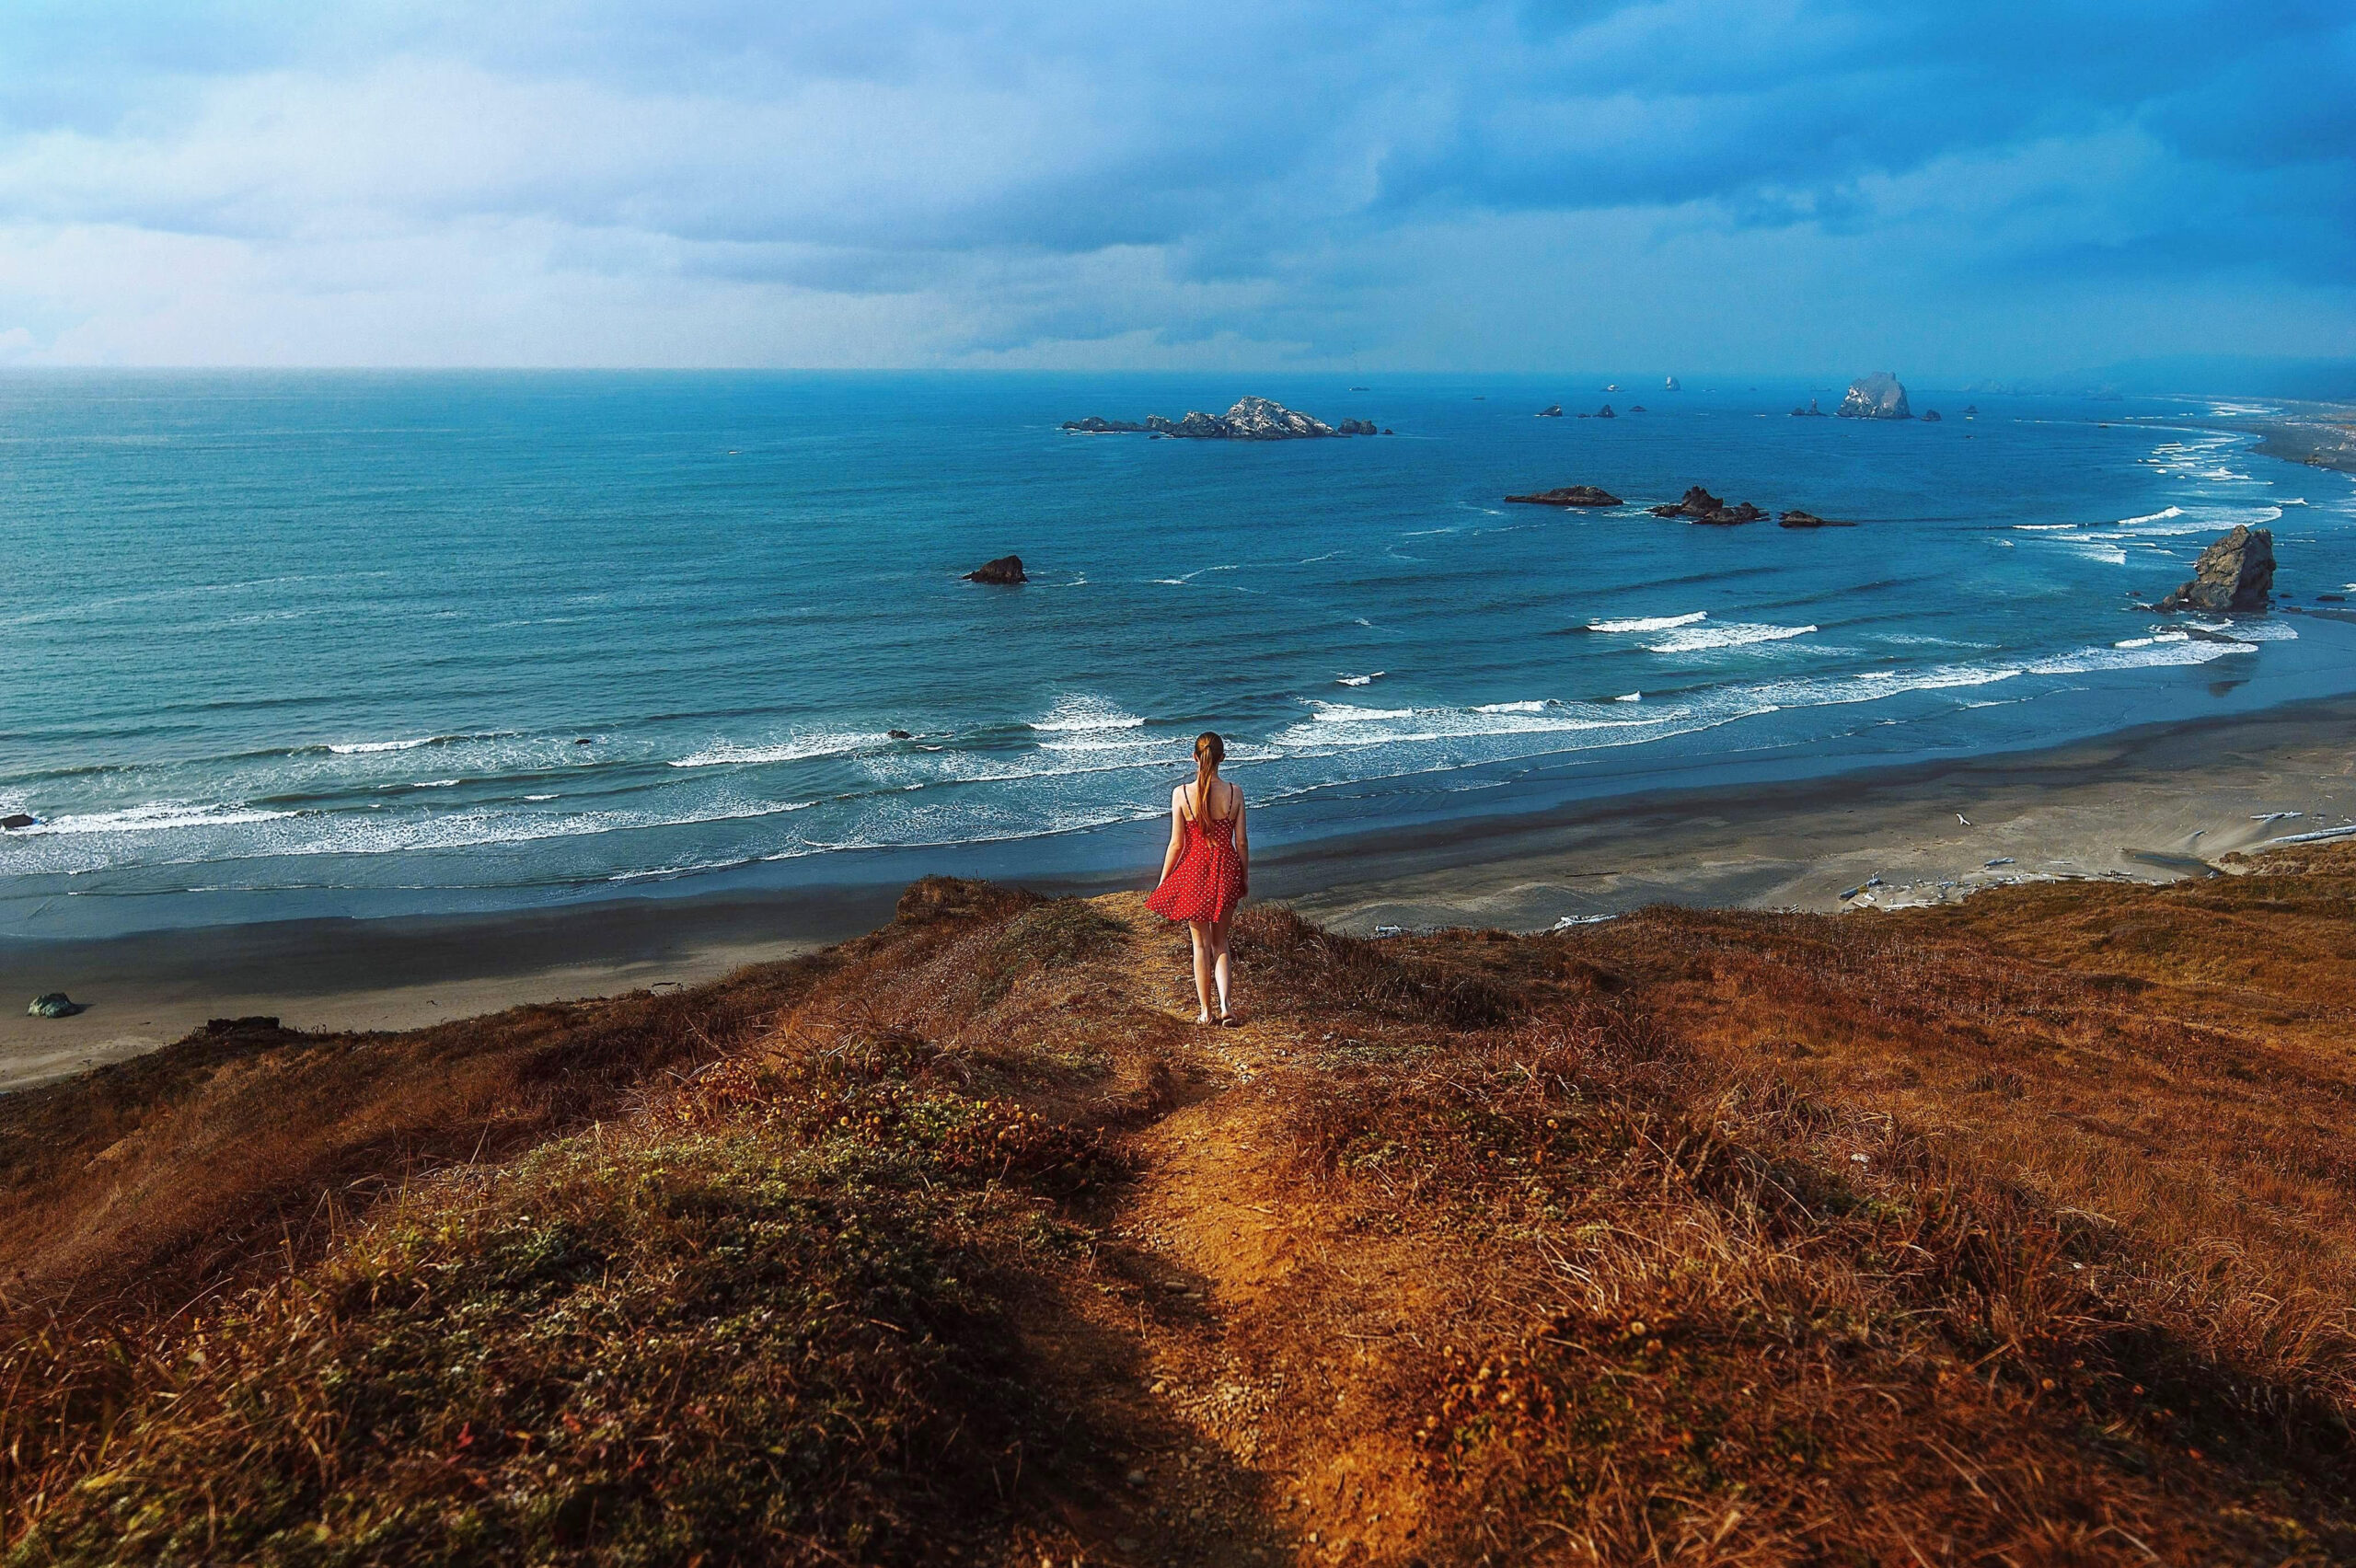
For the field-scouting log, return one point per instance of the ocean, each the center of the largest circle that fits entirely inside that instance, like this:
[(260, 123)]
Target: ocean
[(296, 644)]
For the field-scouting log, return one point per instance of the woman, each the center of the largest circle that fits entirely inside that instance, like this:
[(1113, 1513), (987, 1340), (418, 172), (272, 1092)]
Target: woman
[(1207, 869)]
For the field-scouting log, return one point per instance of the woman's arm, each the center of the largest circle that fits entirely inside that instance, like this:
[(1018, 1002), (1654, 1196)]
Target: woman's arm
[(1177, 837), (1242, 837)]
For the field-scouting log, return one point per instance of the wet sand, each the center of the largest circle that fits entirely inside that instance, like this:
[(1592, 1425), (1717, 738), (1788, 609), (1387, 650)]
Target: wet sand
[(150, 989), (2151, 805)]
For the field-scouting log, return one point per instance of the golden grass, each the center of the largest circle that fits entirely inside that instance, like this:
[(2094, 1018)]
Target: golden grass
[(2012, 1233)]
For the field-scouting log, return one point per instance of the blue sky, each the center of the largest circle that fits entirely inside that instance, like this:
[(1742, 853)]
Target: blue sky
[(1959, 190)]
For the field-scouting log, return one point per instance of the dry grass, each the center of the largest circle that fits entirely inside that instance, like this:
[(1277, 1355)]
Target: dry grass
[(2012, 1234)]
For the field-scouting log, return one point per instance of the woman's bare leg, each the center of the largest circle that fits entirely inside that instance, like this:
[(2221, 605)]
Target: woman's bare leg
[(1219, 964), (1203, 960)]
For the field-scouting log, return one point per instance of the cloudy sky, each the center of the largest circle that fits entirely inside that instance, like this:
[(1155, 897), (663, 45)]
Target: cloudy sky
[(1967, 188)]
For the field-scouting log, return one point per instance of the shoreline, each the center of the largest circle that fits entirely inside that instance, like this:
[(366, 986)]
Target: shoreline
[(2316, 435), (2152, 803)]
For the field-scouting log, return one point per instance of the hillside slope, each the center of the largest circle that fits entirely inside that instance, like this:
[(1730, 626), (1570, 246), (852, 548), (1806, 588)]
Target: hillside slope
[(2011, 1233)]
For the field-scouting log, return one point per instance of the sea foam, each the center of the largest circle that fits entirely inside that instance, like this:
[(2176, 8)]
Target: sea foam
[(1710, 638), (1649, 623)]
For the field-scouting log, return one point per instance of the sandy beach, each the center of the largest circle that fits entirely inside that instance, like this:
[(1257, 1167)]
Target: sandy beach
[(2146, 805), (2149, 805), (2321, 435), (148, 990)]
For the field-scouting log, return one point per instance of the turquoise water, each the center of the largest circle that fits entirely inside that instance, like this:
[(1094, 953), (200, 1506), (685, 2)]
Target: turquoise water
[(293, 644)]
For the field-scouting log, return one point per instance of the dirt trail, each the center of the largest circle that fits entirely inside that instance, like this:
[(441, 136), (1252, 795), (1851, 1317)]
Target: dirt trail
[(1256, 1325)]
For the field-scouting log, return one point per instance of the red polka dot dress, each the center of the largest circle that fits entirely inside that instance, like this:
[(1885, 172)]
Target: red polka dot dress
[(1205, 882)]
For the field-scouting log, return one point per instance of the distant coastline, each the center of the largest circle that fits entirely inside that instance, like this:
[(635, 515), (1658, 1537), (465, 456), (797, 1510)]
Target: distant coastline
[(2321, 435)]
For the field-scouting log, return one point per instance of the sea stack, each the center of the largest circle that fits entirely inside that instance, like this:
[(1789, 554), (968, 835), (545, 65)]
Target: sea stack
[(1875, 396), (1003, 572), (2236, 573)]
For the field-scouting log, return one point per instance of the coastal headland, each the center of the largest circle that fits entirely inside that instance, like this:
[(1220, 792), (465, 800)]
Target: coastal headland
[(2020, 1227)]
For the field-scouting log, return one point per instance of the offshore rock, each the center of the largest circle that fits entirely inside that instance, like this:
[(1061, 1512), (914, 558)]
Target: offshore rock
[(1257, 418), (1799, 519), (1931, 416), (1605, 413), (17, 819), (1004, 573), (1727, 516), (2235, 573), (1251, 418), (1552, 411), (1570, 495), (1698, 503), (1875, 396), (1810, 412)]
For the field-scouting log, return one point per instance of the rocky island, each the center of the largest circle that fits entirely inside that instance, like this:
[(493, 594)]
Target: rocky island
[(1569, 495), (1875, 396), (1251, 418)]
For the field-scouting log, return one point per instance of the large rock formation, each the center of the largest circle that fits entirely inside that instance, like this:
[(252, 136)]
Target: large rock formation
[(1570, 495), (1004, 573), (1698, 503), (1875, 396), (1251, 418), (2235, 573), (1700, 506)]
